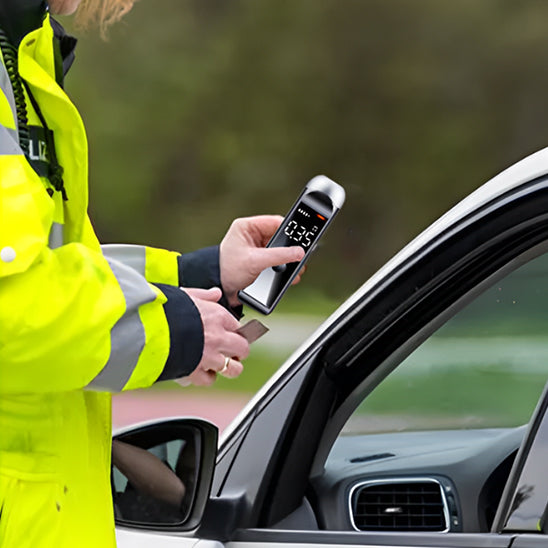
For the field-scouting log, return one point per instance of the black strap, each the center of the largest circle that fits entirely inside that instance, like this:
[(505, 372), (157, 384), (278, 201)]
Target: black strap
[(55, 169)]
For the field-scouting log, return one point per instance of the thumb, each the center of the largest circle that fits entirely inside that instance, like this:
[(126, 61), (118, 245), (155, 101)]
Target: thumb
[(213, 294), (272, 256)]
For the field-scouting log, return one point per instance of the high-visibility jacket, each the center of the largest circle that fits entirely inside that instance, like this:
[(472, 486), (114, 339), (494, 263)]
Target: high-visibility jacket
[(77, 322)]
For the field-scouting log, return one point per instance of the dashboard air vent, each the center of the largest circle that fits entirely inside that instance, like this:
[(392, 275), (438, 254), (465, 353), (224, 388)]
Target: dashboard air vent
[(399, 505)]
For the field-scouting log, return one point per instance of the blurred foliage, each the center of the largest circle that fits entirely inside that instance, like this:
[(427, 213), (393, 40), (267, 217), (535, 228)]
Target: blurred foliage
[(487, 398), (199, 111)]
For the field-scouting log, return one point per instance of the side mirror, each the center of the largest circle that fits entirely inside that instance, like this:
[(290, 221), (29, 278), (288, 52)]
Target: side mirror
[(162, 473)]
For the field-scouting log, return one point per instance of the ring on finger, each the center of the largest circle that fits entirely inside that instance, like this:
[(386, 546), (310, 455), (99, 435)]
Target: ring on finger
[(225, 366)]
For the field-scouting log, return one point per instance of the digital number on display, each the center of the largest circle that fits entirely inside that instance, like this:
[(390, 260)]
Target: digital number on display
[(304, 227), (300, 234)]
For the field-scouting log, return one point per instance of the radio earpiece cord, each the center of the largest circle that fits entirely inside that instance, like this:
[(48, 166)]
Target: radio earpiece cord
[(55, 170)]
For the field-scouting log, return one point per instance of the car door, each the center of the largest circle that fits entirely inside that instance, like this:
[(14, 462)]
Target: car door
[(270, 460)]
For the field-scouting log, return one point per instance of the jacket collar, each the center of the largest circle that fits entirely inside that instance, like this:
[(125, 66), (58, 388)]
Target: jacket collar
[(67, 45)]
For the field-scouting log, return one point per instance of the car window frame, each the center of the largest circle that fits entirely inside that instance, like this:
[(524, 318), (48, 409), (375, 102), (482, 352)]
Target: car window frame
[(479, 247), (527, 457), (380, 362), (321, 390)]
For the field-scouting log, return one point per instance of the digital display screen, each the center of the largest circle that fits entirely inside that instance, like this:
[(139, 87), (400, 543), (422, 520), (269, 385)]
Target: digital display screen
[(301, 228)]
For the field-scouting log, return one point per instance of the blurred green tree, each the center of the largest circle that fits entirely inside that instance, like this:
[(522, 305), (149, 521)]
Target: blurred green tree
[(199, 111)]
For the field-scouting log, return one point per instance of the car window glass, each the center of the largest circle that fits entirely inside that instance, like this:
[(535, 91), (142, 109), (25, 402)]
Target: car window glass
[(524, 507), (486, 367)]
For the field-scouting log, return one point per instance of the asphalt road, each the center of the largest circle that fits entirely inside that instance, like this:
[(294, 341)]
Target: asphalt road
[(142, 405)]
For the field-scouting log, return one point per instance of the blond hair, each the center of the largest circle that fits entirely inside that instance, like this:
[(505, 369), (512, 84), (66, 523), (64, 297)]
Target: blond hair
[(102, 13)]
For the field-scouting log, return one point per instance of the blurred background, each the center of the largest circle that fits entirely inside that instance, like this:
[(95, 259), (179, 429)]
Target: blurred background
[(200, 111)]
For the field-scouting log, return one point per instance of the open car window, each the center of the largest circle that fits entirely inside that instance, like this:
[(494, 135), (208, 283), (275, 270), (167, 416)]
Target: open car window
[(431, 446), (486, 367)]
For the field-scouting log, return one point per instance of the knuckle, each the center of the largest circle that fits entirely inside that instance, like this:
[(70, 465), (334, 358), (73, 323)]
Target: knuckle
[(237, 223)]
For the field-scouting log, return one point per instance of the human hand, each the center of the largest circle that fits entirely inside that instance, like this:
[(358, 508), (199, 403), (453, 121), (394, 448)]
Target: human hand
[(243, 255), (220, 340)]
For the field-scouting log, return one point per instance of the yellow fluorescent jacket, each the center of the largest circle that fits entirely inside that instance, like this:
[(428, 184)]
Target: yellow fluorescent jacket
[(76, 323)]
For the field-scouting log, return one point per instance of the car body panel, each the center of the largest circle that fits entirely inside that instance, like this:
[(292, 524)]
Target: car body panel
[(126, 538)]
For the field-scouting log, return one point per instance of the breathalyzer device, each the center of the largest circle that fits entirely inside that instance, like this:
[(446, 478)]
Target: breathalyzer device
[(307, 220)]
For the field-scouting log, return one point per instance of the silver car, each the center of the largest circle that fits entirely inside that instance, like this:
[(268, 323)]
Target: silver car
[(415, 416)]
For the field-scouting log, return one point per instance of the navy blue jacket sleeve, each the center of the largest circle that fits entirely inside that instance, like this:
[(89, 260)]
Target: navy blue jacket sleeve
[(201, 269), (186, 334)]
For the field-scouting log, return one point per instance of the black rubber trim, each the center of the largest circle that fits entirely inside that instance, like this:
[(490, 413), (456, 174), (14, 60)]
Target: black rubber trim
[(436, 277)]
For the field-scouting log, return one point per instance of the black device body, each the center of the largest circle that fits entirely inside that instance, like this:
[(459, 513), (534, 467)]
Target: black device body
[(307, 220)]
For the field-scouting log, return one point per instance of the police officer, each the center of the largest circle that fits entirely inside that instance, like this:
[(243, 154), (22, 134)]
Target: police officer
[(79, 321)]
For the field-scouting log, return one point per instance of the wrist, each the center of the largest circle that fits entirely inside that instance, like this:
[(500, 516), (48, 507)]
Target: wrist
[(232, 299)]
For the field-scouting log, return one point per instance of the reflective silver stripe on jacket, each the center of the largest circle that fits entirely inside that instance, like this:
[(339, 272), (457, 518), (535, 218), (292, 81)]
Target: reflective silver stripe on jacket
[(133, 256), (56, 236), (7, 90), (8, 142), (128, 334)]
